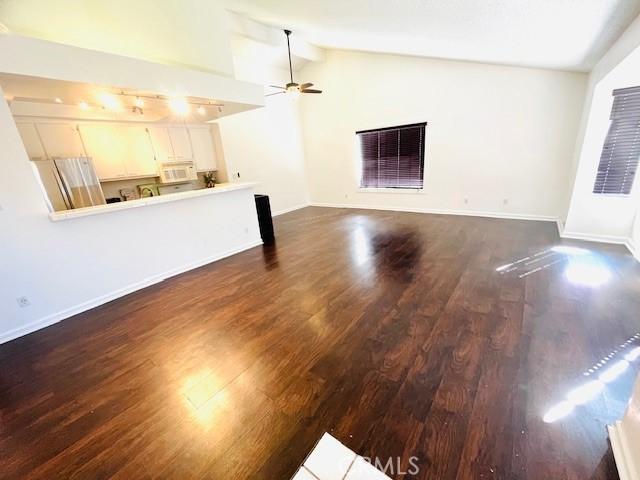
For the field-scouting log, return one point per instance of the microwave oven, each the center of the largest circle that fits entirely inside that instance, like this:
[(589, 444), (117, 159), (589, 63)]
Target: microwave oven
[(178, 172)]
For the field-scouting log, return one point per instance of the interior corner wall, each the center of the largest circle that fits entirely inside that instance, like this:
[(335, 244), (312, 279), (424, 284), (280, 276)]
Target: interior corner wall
[(499, 139), (606, 218), (265, 145), (188, 33)]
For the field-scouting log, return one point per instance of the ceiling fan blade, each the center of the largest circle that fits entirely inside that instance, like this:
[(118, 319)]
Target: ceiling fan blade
[(272, 94), (277, 86), (306, 85), (311, 90)]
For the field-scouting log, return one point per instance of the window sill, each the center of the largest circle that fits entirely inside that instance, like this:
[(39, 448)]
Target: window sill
[(612, 195), (406, 191)]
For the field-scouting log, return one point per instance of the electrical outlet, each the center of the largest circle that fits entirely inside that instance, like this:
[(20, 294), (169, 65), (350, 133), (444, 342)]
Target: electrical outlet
[(466, 200), (505, 201), (246, 230), (23, 302)]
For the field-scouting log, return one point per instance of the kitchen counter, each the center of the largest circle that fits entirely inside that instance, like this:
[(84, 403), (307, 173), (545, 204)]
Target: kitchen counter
[(147, 201)]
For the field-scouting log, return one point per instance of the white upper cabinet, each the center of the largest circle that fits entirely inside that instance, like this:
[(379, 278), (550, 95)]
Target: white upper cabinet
[(204, 154), (106, 149), (181, 145), (139, 159), (60, 140), (31, 141), (161, 144), (119, 150)]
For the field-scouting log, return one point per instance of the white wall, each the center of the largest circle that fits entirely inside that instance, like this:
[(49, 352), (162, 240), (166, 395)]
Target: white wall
[(493, 133), (265, 145), (602, 217), (190, 33)]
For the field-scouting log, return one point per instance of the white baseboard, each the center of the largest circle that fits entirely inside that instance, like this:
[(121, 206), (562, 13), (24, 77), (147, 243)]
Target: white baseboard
[(594, 238), (290, 209), (623, 452), (562, 232), (96, 302), (631, 246), (468, 213)]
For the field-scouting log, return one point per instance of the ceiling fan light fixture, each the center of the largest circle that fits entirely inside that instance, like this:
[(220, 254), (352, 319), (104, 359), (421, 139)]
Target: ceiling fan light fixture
[(293, 89)]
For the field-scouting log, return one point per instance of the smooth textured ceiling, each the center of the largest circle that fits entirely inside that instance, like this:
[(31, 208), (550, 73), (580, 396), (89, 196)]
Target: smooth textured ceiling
[(559, 34)]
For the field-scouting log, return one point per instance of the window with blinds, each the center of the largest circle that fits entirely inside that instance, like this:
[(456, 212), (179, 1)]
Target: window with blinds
[(621, 150), (392, 157)]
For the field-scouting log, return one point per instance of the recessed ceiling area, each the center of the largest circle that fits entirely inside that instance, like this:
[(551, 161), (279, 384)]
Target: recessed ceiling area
[(556, 34)]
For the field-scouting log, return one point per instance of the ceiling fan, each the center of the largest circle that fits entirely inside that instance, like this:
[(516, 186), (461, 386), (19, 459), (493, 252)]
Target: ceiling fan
[(293, 87)]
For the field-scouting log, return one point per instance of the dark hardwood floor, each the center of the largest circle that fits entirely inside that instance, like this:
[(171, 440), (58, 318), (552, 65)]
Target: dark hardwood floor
[(392, 331)]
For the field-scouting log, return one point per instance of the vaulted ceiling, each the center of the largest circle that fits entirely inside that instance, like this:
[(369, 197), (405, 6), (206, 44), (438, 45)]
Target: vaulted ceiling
[(559, 34)]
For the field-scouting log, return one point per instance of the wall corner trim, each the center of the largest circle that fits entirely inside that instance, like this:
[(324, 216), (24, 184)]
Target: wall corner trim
[(622, 452), (631, 246), (96, 302)]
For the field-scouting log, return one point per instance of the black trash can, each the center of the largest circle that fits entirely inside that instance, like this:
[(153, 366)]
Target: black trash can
[(264, 217)]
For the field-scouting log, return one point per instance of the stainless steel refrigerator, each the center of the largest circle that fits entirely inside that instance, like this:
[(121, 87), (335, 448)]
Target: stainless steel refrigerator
[(70, 182)]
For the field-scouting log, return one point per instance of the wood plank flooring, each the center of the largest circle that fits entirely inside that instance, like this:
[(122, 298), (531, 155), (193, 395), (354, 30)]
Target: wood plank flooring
[(392, 331)]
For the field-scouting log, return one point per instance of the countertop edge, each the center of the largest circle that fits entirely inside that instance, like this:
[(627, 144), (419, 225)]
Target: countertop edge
[(143, 202)]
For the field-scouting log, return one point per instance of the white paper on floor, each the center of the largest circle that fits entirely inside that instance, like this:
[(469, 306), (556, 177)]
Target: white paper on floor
[(331, 460)]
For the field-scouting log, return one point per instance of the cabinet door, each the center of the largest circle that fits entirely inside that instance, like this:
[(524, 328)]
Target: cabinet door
[(107, 150), (204, 153), (31, 141), (60, 140), (139, 160), (161, 144), (181, 144)]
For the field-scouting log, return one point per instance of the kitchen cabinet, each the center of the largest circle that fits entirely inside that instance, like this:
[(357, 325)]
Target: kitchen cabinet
[(204, 154), (60, 140), (181, 145), (119, 151), (161, 144), (108, 153), (139, 160), (31, 141)]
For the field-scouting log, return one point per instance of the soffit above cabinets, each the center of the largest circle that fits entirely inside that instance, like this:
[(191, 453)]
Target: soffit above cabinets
[(28, 64), (39, 97)]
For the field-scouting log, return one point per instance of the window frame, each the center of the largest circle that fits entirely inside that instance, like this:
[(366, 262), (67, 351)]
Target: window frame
[(422, 159)]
